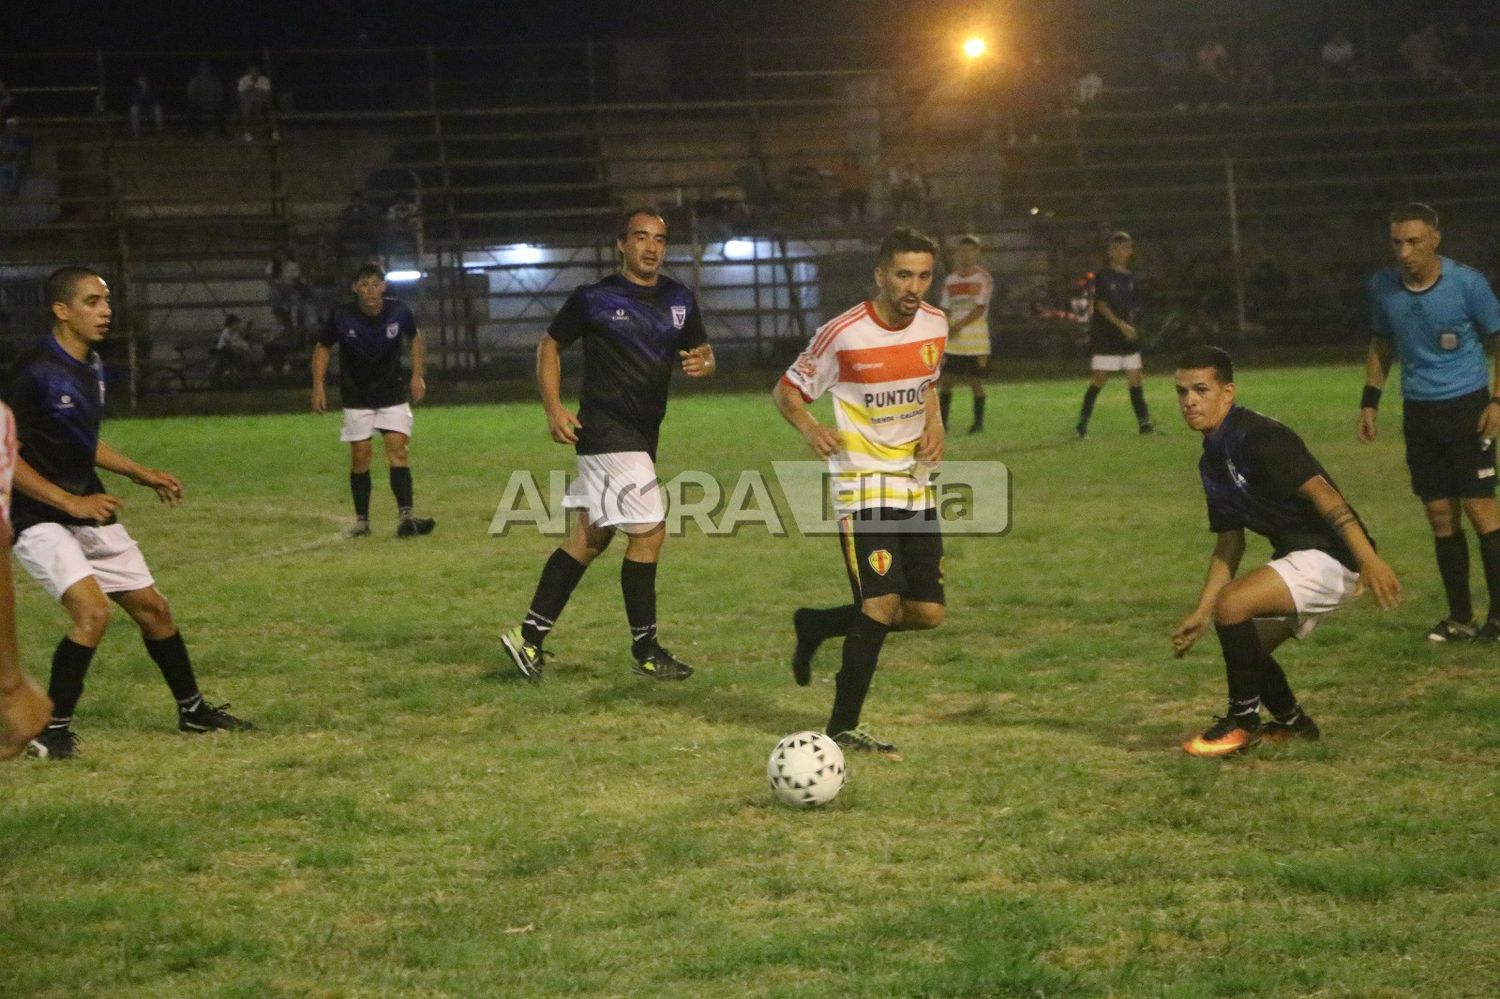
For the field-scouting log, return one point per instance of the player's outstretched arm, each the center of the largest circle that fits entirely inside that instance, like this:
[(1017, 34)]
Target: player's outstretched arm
[(319, 377), (825, 441), (1335, 510), (561, 423), (418, 350), (166, 485), (930, 444), (1377, 368), (98, 507), (1222, 565)]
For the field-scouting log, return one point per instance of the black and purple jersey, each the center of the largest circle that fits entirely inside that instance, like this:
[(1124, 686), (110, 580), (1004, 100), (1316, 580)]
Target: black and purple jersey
[(1121, 292), (631, 335), (370, 372), (58, 401), (1252, 467)]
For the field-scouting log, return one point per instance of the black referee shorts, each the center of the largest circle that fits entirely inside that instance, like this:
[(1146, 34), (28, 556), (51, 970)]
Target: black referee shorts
[(893, 551), (966, 365), (1444, 452)]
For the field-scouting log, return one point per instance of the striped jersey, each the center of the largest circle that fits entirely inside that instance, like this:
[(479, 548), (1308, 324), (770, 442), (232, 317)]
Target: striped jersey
[(962, 293), (879, 378)]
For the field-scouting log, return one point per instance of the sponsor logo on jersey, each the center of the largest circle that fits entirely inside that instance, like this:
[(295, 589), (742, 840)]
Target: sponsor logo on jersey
[(868, 366), (679, 316), (65, 401), (880, 561), (931, 355), (619, 316), (392, 330)]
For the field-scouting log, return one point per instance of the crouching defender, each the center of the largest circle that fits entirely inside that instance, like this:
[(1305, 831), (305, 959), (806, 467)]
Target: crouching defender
[(1257, 474)]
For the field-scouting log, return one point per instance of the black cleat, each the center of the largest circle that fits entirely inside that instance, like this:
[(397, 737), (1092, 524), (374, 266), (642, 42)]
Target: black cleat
[(659, 664), (977, 428), (1301, 727), (861, 738), (1449, 630), (53, 744), (1490, 632), (1081, 431), (802, 656), (361, 529), (208, 717), (412, 527), (1147, 428)]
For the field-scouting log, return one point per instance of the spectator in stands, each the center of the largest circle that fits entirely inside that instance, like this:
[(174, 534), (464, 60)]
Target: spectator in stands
[(854, 190), (1215, 74), (357, 233), (758, 197), (1465, 56), (7, 102), (144, 103), (320, 280), (1337, 66), (254, 90), (1257, 80), (205, 98), (908, 191), (1084, 90), (403, 225), (15, 155), (1423, 53), (1172, 72), (284, 285), (232, 351)]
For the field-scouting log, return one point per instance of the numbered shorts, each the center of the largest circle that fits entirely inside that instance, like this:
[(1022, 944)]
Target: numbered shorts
[(1320, 585), (361, 424), (59, 555), (1444, 451), (890, 550), (1115, 362), (617, 490)]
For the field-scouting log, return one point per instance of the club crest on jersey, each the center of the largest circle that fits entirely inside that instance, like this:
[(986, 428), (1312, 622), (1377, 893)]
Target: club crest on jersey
[(807, 365), (392, 330), (880, 561), (931, 355), (679, 316)]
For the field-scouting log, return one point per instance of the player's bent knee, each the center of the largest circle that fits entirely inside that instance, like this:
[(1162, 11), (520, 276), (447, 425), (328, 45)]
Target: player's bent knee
[(922, 617), (885, 609), (90, 617)]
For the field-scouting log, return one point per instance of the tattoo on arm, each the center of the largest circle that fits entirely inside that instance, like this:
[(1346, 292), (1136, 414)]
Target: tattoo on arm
[(1341, 517)]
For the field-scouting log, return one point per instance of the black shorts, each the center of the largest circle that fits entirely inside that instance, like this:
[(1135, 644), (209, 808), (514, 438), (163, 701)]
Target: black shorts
[(966, 365), (1446, 456), (893, 551)]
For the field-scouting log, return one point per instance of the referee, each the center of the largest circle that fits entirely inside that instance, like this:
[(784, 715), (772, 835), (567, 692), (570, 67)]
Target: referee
[(1439, 318)]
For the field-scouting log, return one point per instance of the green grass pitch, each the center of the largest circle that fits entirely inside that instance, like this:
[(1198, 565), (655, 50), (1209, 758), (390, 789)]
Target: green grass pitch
[(411, 821)]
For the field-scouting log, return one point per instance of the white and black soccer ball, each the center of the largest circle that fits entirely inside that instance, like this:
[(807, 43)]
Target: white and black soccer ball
[(806, 770)]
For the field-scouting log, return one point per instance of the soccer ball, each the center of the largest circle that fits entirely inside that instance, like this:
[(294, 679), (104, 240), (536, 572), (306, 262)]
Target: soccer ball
[(806, 770)]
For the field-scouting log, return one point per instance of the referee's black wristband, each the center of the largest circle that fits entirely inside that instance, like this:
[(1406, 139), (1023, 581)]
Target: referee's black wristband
[(1370, 399)]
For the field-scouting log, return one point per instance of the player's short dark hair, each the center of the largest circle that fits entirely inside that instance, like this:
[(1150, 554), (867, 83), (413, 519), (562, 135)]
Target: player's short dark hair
[(63, 282), (369, 269), (905, 239), (623, 229), (1415, 211), (1208, 356)]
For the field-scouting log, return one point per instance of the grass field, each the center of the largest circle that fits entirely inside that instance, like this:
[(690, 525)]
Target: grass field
[(412, 821)]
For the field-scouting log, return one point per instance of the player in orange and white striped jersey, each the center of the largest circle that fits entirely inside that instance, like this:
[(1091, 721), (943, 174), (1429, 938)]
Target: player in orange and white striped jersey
[(24, 709), (966, 299), (881, 361)]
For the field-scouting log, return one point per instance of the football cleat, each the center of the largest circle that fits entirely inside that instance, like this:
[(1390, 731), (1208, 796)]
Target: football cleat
[(53, 744), (976, 428), (1226, 736), (1449, 630), (1490, 632), (412, 527), (860, 737), (659, 664), (528, 657), (208, 717), (361, 529), (1300, 727), (1081, 431), (802, 655), (1148, 428)]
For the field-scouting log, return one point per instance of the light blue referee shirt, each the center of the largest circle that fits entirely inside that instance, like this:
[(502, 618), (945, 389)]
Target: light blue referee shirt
[(1438, 333)]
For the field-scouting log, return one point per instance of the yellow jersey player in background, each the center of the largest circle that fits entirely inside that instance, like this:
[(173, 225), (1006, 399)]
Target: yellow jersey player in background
[(966, 299)]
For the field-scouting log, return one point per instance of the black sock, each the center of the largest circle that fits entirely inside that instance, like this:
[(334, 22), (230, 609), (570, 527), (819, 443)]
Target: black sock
[(1489, 554), (1242, 666), (978, 411), (1090, 396), (70, 661), (861, 653), (945, 402), (1275, 693), (1453, 566), (401, 486), (561, 573), (831, 622), (638, 584), (359, 486), (1138, 403), (171, 657)]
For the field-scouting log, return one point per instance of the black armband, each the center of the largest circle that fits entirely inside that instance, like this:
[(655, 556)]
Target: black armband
[(1370, 399)]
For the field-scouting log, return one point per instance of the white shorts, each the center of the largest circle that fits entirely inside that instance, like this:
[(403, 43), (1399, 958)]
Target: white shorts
[(361, 424), (59, 555), (617, 490), (1115, 362), (1320, 584)]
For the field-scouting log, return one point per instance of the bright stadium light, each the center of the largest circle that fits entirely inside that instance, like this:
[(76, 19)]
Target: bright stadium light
[(738, 249), (401, 277), (974, 47)]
